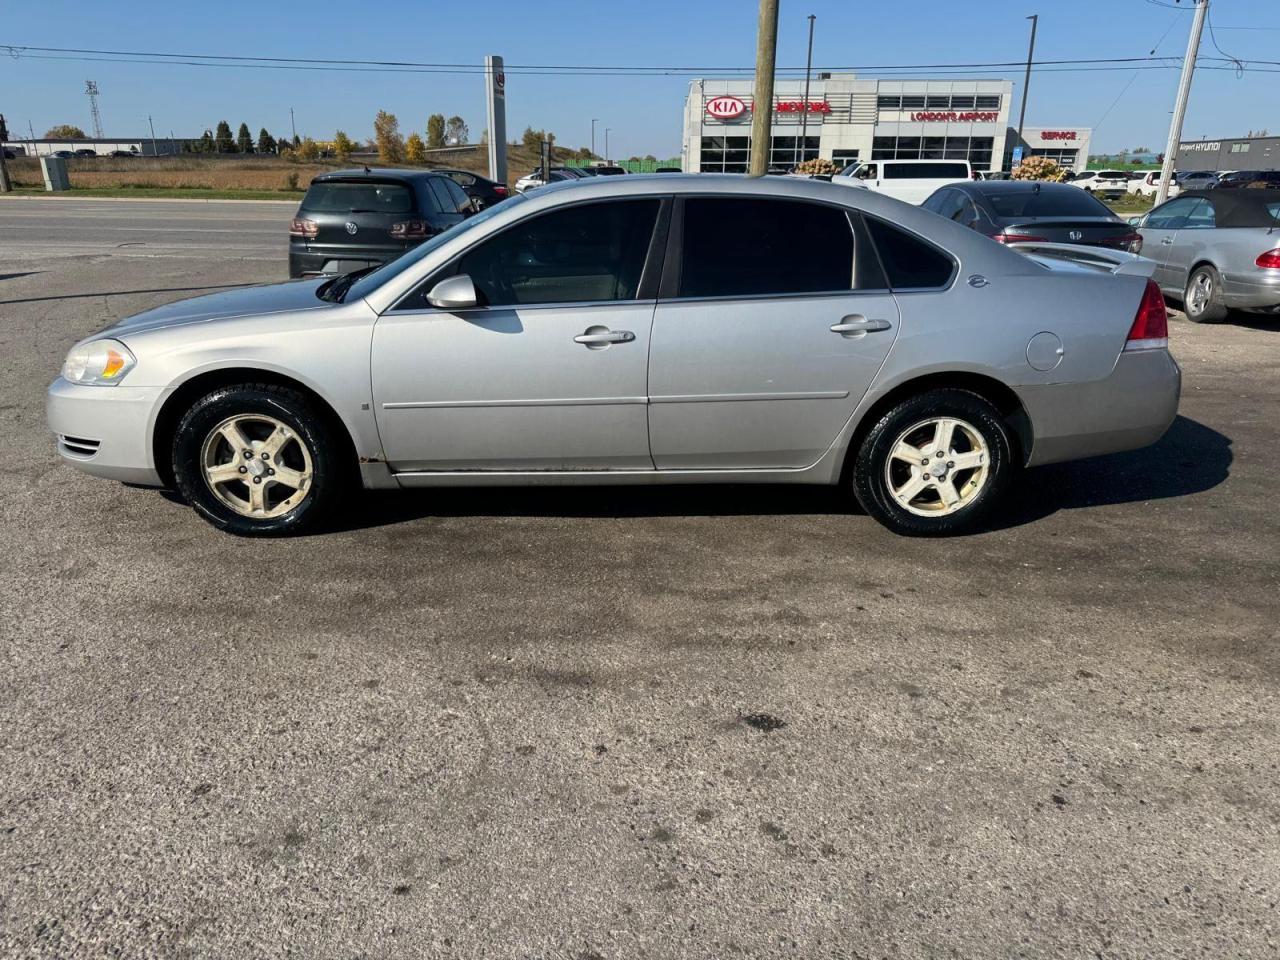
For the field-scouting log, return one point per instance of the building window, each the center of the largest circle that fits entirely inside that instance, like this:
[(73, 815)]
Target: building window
[(913, 103), (733, 154), (842, 158), (1240, 148), (937, 103), (977, 150), (962, 103), (988, 103), (889, 103), (1063, 158)]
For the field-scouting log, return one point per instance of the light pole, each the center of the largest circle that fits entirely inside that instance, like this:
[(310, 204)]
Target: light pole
[(804, 105), (293, 126), (1026, 83), (1180, 105), (606, 143), (151, 124), (594, 121)]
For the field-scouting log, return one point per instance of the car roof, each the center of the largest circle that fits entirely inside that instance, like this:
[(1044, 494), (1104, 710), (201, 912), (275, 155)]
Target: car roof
[(1239, 208), (378, 173), (986, 187)]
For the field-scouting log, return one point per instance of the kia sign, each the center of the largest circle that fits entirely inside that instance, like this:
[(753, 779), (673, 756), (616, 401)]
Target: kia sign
[(726, 108)]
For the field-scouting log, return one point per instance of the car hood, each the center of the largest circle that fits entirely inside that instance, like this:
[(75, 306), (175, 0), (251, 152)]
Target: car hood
[(228, 304)]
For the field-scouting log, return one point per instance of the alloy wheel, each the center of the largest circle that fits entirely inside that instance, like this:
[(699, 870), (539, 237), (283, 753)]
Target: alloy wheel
[(937, 467), (256, 466), (1200, 292)]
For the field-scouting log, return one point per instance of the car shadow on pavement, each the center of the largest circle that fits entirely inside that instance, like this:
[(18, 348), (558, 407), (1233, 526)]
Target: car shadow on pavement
[(1189, 458), (1201, 458)]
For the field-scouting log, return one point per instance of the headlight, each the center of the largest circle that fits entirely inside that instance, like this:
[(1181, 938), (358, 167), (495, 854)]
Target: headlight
[(99, 363)]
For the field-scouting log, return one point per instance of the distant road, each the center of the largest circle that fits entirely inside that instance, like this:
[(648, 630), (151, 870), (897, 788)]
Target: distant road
[(188, 229)]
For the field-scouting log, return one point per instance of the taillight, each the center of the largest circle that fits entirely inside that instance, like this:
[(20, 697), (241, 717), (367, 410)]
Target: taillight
[(1269, 260), (409, 230), (1017, 238), (499, 189), (1150, 330), (1131, 242), (299, 227)]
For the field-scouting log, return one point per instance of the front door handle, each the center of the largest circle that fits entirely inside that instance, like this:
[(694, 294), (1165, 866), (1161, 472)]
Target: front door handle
[(857, 325), (1167, 241), (603, 336)]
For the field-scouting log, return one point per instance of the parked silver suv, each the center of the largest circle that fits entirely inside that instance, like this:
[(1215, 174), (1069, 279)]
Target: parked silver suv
[(639, 329)]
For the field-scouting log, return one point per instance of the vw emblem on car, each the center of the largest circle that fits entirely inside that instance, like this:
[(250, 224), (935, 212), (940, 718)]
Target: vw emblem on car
[(1075, 235), (351, 227)]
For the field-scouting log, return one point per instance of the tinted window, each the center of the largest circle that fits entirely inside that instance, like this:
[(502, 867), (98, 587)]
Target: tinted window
[(339, 197), (1067, 202), (458, 199), (444, 203), (1201, 217), (909, 261), (752, 247), (926, 171), (578, 254)]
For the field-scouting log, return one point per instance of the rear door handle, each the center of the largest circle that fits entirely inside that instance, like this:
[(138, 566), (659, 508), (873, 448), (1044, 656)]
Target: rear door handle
[(1167, 241), (857, 325), (597, 337)]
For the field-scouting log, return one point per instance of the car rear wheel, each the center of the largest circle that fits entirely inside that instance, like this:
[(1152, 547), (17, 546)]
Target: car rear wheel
[(1202, 300), (935, 464), (257, 460)]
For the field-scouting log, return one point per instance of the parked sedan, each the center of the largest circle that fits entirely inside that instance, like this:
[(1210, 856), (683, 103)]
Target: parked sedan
[(483, 191), (1197, 179), (1029, 211), (1217, 250), (1249, 178), (533, 179), (633, 330), (355, 219)]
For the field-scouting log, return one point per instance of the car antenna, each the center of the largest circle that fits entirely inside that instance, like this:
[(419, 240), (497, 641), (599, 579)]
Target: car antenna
[(366, 168)]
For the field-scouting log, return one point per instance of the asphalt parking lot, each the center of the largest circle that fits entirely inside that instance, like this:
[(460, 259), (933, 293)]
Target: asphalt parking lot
[(707, 722)]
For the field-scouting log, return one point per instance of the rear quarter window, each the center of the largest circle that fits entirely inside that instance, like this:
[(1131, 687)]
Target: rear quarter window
[(340, 197), (909, 262)]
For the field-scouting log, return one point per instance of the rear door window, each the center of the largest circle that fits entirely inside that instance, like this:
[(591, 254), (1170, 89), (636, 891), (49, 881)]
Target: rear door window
[(737, 247), (347, 197), (909, 262), (444, 202), (460, 200)]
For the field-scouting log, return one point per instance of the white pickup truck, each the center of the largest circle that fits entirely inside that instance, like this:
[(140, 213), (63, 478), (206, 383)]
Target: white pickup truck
[(910, 180)]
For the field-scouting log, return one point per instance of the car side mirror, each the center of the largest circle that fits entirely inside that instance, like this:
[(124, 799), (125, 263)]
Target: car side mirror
[(1135, 221), (454, 293)]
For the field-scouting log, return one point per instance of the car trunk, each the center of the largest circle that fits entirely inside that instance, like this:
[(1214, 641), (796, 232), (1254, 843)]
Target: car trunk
[(358, 214), (1086, 230)]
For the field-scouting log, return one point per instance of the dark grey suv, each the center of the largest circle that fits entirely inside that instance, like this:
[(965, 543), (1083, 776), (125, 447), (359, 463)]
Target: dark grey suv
[(354, 219)]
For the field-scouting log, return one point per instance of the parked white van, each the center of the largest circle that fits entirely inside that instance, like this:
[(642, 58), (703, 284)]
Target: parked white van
[(910, 180)]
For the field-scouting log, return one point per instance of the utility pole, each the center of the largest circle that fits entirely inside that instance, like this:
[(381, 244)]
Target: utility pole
[(1180, 105), (5, 185), (594, 121), (762, 108), (151, 123), (1026, 82), (606, 143), (293, 126), (804, 104)]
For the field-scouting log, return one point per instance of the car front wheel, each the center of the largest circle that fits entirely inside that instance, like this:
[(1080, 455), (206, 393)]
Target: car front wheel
[(934, 464), (257, 460)]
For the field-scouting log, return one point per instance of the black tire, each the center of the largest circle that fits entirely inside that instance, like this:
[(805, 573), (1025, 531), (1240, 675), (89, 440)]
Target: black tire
[(871, 466), (1214, 310), (312, 434)]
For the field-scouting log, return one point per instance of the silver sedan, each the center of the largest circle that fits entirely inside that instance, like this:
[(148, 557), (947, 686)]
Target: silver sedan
[(667, 329)]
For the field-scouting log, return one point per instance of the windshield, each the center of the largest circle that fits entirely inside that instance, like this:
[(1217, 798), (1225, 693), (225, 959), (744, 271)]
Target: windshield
[(1068, 202), (369, 282), (338, 196)]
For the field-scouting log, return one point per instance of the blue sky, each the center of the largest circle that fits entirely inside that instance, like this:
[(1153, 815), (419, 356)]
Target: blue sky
[(643, 113)]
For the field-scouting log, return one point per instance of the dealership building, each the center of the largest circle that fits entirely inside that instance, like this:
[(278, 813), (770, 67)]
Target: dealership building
[(1242, 153), (847, 118)]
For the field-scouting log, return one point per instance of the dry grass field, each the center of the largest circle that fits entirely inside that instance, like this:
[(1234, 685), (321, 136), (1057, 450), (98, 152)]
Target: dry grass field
[(230, 174)]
